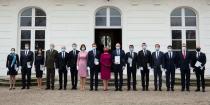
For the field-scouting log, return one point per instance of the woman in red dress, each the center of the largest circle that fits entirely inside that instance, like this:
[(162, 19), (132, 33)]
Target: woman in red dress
[(105, 61)]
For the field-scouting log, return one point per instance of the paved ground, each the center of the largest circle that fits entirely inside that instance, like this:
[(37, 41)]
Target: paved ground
[(36, 96)]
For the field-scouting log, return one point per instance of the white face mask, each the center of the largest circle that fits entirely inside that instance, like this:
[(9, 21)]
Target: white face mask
[(131, 49), (169, 50), (63, 50), (117, 47), (144, 47), (157, 49), (83, 49), (93, 48), (12, 52), (26, 48)]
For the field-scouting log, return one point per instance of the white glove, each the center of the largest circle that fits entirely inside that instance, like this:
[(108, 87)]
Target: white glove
[(56, 69), (17, 69), (141, 68), (68, 68), (88, 68), (20, 67), (96, 63), (149, 67), (77, 67), (123, 67), (177, 68)]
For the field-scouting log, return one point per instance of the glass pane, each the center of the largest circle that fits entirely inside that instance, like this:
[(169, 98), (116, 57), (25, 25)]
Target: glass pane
[(25, 21), (176, 44), (39, 44), (176, 21), (191, 44), (190, 21), (101, 12), (25, 34), (176, 34), (39, 12), (115, 21), (40, 34), (100, 21), (114, 12), (40, 21), (23, 44), (176, 12), (190, 34), (27, 12), (189, 12)]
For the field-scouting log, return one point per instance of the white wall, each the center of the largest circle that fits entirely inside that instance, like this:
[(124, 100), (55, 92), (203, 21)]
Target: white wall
[(71, 21)]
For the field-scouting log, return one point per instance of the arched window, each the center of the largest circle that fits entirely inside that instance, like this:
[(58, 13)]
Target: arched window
[(184, 28), (108, 17), (32, 27)]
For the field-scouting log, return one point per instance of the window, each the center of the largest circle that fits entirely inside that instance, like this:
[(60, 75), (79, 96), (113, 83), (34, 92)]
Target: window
[(32, 28), (184, 28), (108, 17)]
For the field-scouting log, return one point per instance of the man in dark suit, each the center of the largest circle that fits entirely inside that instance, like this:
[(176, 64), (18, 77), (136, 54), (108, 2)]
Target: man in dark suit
[(62, 65), (131, 61), (26, 62), (50, 63), (170, 64), (184, 60), (118, 59), (157, 65), (198, 63), (72, 63), (93, 64), (144, 65)]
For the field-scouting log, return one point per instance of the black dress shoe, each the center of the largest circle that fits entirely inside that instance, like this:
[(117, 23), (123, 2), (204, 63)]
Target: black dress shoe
[(143, 89), (116, 89), (172, 89), (197, 90), (60, 89), (168, 89), (182, 90), (28, 87), (47, 88), (52, 88), (91, 89), (128, 89), (203, 90), (120, 89), (64, 88), (96, 89), (23, 88), (160, 89)]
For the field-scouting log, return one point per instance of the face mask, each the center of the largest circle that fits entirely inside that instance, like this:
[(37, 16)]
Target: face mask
[(198, 49), (169, 50), (157, 49), (144, 47), (117, 48), (93, 48), (62, 49), (131, 49), (83, 49), (26, 48), (74, 47), (12, 52)]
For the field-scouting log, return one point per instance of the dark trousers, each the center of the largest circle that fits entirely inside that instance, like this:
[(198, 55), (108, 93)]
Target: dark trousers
[(145, 75), (131, 71), (185, 79), (50, 77), (26, 72), (200, 78), (118, 81), (63, 73), (170, 78), (94, 77), (74, 77), (157, 77)]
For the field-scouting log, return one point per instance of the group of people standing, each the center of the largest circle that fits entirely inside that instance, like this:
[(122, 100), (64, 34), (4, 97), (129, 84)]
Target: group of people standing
[(80, 62)]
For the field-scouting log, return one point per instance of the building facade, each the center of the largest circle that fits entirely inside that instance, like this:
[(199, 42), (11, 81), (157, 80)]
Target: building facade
[(106, 22)]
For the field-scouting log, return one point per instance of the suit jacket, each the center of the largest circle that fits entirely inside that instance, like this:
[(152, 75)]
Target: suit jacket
[(62, 63), (143, 60), (72, 61), (184, 63), (170, 63), (51, 57), (156, 62), (10, 59), (122, 57), (134, 59), (26, 58), (201, 58), (91, 58)]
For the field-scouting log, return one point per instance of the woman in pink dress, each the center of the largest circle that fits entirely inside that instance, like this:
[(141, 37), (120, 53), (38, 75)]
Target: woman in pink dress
[(82, 66), (105, 61)]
